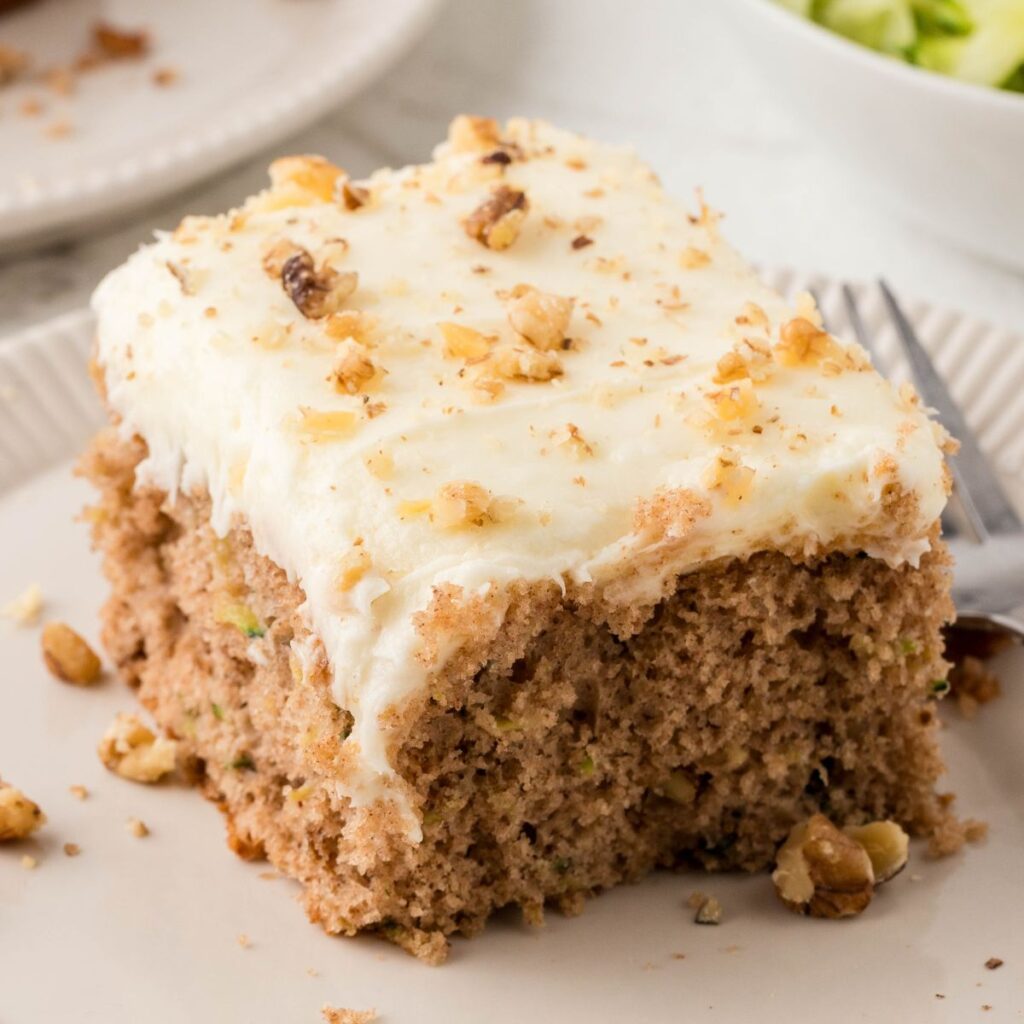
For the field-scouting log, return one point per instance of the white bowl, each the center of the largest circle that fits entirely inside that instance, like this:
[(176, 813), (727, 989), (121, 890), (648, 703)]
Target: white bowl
[(947, 154)]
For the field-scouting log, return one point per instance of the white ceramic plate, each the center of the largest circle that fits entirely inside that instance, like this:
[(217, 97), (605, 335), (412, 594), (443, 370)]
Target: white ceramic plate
[(147, 929), (250, 72)]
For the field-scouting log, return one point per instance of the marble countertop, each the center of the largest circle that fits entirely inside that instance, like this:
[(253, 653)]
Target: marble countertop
[(664, 75)]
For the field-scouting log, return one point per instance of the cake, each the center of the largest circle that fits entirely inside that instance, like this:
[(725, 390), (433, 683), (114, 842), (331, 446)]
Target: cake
[(487, 534)]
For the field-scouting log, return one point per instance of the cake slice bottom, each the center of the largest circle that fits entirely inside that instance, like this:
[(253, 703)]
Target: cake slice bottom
[(557, 759)]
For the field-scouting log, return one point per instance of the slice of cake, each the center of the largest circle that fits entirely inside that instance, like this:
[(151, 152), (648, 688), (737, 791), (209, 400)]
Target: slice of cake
[(488, 534)]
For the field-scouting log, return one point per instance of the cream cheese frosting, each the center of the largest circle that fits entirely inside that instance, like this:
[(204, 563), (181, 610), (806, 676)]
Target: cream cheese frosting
[(503, 365)]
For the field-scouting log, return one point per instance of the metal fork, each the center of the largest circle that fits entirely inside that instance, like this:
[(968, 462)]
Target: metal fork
[(988, 575)]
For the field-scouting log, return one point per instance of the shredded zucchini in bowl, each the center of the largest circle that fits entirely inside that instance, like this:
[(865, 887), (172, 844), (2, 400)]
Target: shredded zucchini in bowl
[(980, 41)]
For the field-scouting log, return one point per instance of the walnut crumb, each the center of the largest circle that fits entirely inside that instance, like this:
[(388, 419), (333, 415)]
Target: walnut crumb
[(19, 816), (709, 911), (117, 43), (138, 828), (497, 221), (469, 134), (342, 1015), (993, 963), (13, 63), (134, 752), (72, 849), (539, 317), (243, 940), (353, 370), (463, 503), (79, 792), (29, 863), (581, 242), (691, 258), (68, 656)]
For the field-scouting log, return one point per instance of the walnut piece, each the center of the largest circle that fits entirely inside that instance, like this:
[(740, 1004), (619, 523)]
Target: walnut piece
[(19, 816), (528, 364), (12, 63), (468, 134), (823, 872), (461, 342), (497, 221), (886, 844), (133, 751), (353, 369), (317, 291), (68, 656), (309, 173), (804, 344), (539, 317), (462, 503), (116, 43)]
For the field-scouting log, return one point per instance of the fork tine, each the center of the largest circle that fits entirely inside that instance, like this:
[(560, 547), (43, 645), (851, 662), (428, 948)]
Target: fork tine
[(983, 499), (950, 525), (859, 330)]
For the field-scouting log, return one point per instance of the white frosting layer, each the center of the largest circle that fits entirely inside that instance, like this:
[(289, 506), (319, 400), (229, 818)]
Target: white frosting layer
[(214, 366)]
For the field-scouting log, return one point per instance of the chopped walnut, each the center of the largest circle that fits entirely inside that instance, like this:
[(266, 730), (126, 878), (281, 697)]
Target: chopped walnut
[(334, 425), (462, 503), (886, 844), (497, 221), (13, 63), (461, 342), (116, 43), (19, 816), (525, 364), (353, 369), (468, 134), (748, 358), (352, 196), (753, 315), (823, 872), (26, 608), (72, 849), (68, 656), (728, 475), (691, 258), (351, 323), (803, 344), (354, 566), (571, 440), (317, 291), (736, 401), (310, 174), (138, 828), (133, 751), (540, 317)]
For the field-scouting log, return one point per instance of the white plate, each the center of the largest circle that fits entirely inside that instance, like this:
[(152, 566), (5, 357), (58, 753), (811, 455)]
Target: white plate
[(250, 72), (146, 929)]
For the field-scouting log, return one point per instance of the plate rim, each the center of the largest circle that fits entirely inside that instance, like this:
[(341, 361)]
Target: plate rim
[(54, 211)]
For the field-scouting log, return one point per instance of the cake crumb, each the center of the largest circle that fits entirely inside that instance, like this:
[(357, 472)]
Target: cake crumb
[(72, 849), (993, 962), (79, 792), (342, 1015), (25, 609), (138, 828), (29, 863)]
